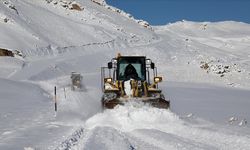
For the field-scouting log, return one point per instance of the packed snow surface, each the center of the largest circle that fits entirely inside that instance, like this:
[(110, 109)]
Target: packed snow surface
[(205, 67)]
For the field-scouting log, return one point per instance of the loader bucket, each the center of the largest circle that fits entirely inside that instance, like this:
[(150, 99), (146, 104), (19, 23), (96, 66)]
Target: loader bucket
[(158, 103)]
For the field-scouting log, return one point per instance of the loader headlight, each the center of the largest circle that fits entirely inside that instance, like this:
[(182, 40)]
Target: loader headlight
[(148, 61), (157, 79), (115, 61), (108, 80)]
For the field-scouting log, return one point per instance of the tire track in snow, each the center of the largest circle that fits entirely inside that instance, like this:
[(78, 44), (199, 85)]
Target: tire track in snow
[(72, 141), (103, 138)]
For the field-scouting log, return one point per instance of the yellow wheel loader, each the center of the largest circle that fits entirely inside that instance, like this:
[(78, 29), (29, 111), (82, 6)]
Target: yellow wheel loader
[(131, 78)]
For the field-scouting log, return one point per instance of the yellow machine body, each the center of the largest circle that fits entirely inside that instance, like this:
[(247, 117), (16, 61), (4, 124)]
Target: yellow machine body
[(131, 78)]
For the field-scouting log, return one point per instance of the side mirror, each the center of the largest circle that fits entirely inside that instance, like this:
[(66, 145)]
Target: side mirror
[(110, 65), (152, 65)]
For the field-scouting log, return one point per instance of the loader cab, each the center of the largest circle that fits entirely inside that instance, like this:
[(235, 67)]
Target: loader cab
[(124, 68), (129, 67)]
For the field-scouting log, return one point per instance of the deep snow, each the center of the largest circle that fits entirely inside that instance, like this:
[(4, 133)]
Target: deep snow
[(205, 67)]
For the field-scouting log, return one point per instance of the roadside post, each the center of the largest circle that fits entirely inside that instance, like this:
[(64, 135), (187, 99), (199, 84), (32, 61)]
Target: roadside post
[(55, 100)]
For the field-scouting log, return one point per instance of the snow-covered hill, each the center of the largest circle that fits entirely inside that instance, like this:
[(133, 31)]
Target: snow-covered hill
[(206, 70)]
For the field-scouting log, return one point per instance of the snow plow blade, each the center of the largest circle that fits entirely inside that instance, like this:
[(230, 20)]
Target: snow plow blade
[(158, 103)]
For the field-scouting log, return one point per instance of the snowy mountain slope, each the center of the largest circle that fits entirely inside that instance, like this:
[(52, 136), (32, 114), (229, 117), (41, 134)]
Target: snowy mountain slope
[(207, 64), (223, 48), (92, 25)]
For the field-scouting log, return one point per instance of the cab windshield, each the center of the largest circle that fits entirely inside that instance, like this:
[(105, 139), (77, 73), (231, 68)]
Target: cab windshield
[(131, 67)]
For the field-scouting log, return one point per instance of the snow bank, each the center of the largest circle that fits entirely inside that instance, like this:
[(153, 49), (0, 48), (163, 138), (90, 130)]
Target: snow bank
[(23, 107)]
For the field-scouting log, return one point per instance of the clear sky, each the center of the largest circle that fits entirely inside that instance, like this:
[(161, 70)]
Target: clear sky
[(160, 12)]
